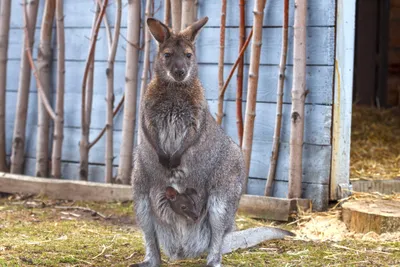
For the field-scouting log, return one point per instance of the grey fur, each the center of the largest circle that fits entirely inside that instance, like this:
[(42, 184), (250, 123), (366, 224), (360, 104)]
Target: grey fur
[(193, 152)]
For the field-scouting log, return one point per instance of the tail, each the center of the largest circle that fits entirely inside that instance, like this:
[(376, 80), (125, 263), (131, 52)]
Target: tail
[(251, 237)]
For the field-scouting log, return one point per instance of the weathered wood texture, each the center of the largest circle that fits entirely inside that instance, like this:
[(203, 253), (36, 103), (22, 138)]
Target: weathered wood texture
[(320, 72), (377, 215), (271, 208), (386, 187), (343, 93)]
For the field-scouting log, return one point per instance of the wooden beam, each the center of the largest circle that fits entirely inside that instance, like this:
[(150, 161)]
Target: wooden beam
[(343, 90), (271, 208), (386, 187), (262, 207), (64, 189)]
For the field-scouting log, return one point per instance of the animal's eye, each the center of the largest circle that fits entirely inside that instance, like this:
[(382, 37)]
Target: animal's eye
[(167, 55), (188, 55), (183, 207)]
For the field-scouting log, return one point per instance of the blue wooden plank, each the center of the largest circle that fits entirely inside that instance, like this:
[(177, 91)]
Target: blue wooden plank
[(321, 13), (317, 129), (319, 83), (70, 170), (320, 45)]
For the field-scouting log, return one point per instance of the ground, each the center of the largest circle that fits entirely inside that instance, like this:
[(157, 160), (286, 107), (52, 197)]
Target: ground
[(40, 232)]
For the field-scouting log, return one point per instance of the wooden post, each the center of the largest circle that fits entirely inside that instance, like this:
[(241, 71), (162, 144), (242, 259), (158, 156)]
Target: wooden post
[(146, 57), (167, 12), (58, 136), (110, 95), (18, 143), (188, 7), (44, 63), (220, 111), (131, 81), (343, 94), (85, 124), (298, 97), (279, 101), (176, 13), (239, 75), (259, 6), (5, 13)]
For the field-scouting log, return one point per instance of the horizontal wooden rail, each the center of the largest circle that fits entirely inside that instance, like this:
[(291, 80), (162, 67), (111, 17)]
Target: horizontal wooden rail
[(270, 208)]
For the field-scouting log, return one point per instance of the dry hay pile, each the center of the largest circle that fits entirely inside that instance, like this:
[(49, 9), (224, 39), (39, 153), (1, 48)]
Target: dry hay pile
[(328, 226), (375, 143)]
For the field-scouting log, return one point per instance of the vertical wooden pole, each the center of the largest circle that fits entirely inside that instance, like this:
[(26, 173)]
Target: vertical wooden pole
[(84, 143), (5, 14), (176, 13), (87, 109), (239, 75), (18, 143), (131, 81), (109, 157), (188, 7), (298, 97), (58, 136), (343, 96), (259, 6), (167, 12), (220, 111), (279, 101), (146, 57), (44, 63)]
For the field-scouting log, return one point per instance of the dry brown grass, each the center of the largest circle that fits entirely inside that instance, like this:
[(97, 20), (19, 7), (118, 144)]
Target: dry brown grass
[(375, 143)]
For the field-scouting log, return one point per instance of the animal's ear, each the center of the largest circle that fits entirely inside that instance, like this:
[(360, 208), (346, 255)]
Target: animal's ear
[(193, 30), (191, 191), (170, 193), (158, 29)]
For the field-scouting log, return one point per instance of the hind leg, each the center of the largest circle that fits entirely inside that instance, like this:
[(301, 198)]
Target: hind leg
[(143, 216)]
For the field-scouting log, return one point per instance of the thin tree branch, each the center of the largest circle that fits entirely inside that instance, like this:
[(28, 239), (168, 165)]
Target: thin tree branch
[(259, 6), (220, 111), (34, 70), (108, 28), (110, 96), (239, 75), (240, 56), (58, 136), (279, 101), (89, 60), (117, 109)]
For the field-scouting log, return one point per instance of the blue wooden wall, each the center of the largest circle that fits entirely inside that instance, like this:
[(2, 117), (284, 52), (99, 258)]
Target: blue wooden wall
[(318, 110)]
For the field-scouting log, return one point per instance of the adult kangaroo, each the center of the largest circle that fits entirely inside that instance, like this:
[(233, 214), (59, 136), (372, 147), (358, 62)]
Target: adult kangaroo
[(182, 146)]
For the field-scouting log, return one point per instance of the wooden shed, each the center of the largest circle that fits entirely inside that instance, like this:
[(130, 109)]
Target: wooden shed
[(330, 53)]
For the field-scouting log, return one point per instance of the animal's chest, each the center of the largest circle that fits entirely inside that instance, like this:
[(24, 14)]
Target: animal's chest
[(173, 122)]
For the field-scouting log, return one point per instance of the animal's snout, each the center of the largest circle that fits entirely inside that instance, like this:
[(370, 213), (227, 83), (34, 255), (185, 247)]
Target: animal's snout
[(180, 72)]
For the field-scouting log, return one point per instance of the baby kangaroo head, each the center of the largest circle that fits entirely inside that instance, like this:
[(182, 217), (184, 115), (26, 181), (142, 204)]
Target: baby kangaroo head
[(176, 58), (183, 204)]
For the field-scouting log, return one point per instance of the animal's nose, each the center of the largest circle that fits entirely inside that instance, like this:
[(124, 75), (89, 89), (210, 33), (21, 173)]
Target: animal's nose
[(179, 71)]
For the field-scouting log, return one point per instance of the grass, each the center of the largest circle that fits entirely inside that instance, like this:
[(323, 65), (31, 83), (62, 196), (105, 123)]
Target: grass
[(36, 233)]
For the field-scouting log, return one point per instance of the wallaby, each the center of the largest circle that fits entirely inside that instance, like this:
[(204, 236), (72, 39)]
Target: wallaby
[(183, 204), (182, 146)]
